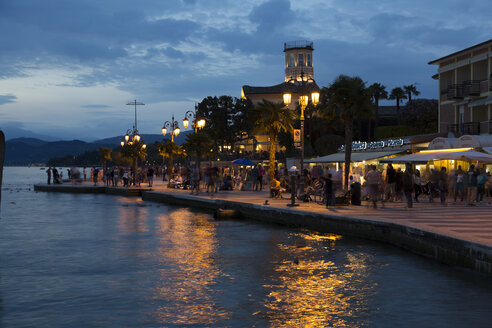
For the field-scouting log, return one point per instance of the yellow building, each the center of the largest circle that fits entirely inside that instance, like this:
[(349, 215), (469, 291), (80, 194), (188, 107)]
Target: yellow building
[(465, 90), (298, 78)]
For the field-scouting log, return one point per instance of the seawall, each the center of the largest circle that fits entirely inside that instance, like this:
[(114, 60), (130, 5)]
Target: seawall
[(450, 250), (469, 253)]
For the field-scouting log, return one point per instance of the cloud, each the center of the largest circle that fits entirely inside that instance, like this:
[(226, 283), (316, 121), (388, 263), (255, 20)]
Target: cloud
[(7, 99), (95, 106)]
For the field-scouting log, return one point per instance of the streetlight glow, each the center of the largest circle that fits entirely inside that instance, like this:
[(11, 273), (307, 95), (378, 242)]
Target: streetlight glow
[(315, 98), (186, 122), (287, 99), (164, 131), (127, 137)]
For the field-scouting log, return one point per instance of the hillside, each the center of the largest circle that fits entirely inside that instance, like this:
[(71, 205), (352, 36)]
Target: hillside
[(25, 151)]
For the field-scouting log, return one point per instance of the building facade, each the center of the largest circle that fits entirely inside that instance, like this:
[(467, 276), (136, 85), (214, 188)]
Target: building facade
[(298, 77), (465, 90)]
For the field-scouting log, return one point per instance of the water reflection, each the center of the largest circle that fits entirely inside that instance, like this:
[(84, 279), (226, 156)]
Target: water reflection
[(185, 293), (312, 291)]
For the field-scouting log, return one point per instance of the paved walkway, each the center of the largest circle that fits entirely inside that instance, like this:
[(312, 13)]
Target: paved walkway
[(470, 223)]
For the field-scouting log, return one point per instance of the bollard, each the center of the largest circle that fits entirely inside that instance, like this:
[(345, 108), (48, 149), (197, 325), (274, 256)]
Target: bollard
[(293, 190)]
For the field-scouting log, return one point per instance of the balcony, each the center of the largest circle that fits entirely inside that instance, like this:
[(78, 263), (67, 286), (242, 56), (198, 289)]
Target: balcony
[(465, 128), (486, 127), (455, 91), (444, 95), (471, 88), (484, 86)]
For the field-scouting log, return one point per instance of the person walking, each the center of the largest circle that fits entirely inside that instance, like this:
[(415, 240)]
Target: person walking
[(261, 173), (471, 191), (417, 184), (95, 173), (374, 179), (481, 180), (459, 185), (328, 190), (48, 172), (150, 175), (443, 185), (254, 177), (85, 173), (390, 180), (407, 184)]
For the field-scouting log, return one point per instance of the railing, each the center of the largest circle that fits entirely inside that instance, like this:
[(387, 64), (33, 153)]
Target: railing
[(484, 86), (471, 88), (465, 128), (455, 91), (486, 127), (298, 44)]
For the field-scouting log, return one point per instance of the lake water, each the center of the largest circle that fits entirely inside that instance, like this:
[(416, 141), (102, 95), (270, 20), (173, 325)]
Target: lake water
[(78, 260)]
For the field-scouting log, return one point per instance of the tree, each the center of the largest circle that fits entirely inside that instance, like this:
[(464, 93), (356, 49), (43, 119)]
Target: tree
[(227, 118), (197, 143), (170, 149), (377, 91), (272, 118), (105, 154), (348, 98), (411, 90), (134, 151), (397, 94)]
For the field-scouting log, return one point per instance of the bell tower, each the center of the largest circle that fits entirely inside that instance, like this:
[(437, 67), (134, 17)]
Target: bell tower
[(298, 60)]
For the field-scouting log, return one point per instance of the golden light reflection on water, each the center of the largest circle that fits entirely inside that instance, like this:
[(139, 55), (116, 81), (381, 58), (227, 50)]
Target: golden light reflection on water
[(133, 216), (187, 251), (310, 292)]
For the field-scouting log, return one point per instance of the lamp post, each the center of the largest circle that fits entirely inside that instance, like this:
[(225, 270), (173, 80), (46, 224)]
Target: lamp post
[(197, 123), (173, 126), (306, 88), (133, 139)]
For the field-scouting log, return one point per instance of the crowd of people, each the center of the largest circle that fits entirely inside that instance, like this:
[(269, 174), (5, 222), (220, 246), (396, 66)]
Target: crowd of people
[(470, 187)]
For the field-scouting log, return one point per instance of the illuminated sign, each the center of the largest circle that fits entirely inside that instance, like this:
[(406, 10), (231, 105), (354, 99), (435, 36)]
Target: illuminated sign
[(363, 145)]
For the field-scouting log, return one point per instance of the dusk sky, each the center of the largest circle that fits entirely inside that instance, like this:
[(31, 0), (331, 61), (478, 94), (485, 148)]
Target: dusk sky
[(68, 68)]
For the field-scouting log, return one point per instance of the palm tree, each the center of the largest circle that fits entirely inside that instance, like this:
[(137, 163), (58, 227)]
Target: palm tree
[(377, 91), (397, 94), (411, 90), (170, 149), (197, 143), (271, 118), (349, 99), (134, 151)]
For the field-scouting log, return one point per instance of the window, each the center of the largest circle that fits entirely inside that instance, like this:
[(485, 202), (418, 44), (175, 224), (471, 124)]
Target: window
[(291, 60), (301, 60), (308, 59)]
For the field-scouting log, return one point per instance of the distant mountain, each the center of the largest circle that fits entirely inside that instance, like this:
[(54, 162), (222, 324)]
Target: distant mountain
[(147, 138), (12, 132), (24, 151)]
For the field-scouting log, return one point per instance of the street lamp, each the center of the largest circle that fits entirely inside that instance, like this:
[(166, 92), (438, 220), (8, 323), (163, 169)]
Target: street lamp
[(197, 123), (132, 137), (172, 126), (305, 88)]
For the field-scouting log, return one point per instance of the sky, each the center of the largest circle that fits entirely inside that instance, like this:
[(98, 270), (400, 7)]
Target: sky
[(69, 67)]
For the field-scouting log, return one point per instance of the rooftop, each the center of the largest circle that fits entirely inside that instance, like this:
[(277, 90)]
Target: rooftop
[(302, 44), (436, 61)]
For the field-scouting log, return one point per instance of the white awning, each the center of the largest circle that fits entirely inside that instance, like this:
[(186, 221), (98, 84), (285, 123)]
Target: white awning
[(355, 156), (449, 154), (441, 143), (473, 141)]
